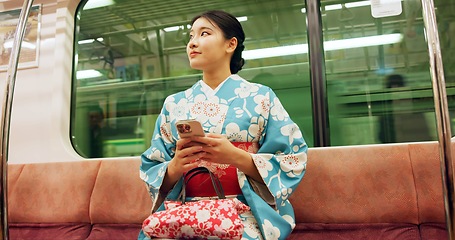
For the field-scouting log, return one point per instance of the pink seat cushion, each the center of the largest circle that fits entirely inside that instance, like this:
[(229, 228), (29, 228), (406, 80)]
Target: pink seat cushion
[(120, 231), (434, 231), (49, 231), (370, 231)]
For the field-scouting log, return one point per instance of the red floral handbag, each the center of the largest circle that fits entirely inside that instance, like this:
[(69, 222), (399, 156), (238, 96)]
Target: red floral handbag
[(203, 219)]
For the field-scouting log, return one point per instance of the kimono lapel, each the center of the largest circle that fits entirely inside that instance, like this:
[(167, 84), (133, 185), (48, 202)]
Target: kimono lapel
[(211, 112), (227, 94), (227, 91)]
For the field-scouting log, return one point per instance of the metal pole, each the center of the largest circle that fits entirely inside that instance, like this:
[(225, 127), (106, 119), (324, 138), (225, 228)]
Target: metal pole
[(442, 112), (321, 130), (6, 113)]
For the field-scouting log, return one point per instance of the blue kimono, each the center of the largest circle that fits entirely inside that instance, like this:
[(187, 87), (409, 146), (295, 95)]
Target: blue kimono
[(243, 112)]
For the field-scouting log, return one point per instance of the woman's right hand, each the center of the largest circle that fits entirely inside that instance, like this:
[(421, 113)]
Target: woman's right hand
[(187, 155)]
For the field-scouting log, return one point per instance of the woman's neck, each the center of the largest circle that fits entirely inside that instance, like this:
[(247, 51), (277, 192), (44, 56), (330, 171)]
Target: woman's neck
[(213, 79)]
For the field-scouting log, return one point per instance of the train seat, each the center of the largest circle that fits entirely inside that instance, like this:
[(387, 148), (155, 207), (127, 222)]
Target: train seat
[(389, 191)]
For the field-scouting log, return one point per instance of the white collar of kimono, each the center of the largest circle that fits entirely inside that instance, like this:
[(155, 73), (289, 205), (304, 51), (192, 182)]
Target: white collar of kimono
[(208, 91)]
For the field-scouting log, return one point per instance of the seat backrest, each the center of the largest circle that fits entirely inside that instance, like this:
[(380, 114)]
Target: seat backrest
[(357, 184), (428, 181), (119, 195), (51, 192)]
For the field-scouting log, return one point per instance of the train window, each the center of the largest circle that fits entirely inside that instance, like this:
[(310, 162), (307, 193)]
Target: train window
[(377, 71), (446, 27), (129, 55)]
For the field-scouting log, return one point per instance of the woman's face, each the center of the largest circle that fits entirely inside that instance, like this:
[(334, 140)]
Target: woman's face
[(207, 49)]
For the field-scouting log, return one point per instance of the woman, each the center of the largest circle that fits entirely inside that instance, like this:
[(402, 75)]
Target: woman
[(251, 144)]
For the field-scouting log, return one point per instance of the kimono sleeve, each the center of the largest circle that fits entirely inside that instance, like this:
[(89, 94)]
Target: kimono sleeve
[(282, 156), (154, 161)]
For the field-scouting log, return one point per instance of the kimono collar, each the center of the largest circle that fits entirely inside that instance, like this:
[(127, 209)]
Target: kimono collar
[(208, 91)]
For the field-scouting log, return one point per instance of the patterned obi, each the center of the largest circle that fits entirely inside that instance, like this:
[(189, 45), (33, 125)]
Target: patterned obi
[(201, 185)]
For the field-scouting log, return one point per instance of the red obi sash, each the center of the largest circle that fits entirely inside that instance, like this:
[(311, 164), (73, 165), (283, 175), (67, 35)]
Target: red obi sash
[(201, 185)]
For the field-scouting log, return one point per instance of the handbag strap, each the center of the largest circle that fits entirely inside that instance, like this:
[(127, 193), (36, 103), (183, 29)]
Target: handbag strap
[(199, 170)]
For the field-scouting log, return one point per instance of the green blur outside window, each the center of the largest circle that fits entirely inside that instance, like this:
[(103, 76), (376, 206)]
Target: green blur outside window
[(378, 83), (130, 55)]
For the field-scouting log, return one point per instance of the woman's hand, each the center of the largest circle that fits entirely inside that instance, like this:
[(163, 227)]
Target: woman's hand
[(218, 149), (187, 156)]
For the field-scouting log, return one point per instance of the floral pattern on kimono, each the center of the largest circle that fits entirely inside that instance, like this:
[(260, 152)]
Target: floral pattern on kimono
[(243, 112)]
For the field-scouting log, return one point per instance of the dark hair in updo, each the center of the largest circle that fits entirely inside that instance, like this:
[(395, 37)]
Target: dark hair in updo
[(231, 27)]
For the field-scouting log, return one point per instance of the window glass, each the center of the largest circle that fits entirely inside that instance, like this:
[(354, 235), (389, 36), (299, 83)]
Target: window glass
[(446, 28), (130, 55), (377, 71)]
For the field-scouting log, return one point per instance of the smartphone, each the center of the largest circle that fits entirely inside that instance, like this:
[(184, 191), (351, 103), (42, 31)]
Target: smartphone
[(188, 128)]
